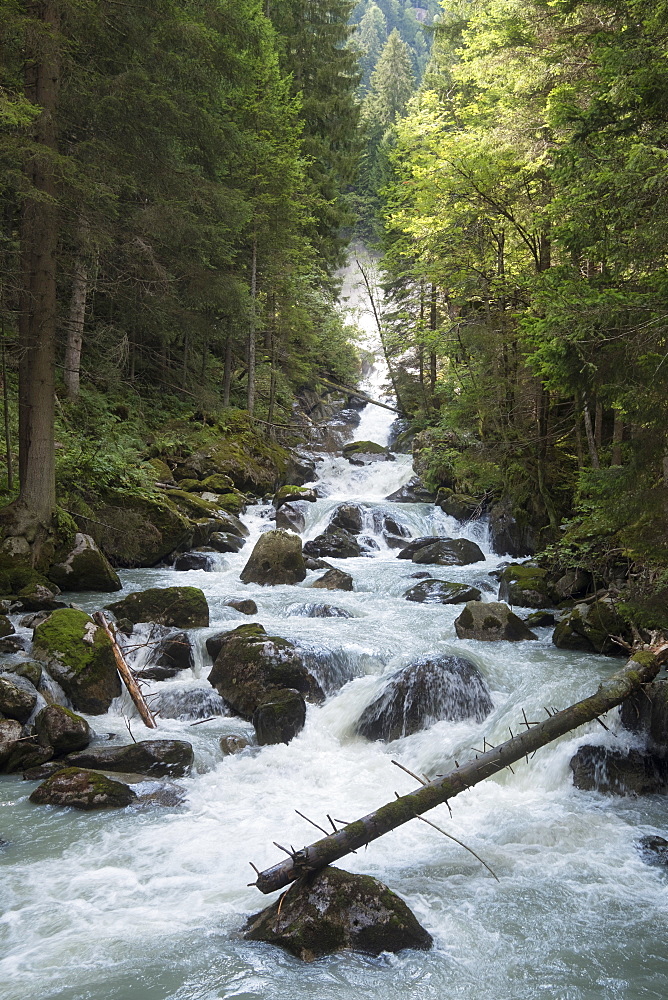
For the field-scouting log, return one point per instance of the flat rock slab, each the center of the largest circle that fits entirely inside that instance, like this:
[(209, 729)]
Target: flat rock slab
[(153, 758), (334, 910)]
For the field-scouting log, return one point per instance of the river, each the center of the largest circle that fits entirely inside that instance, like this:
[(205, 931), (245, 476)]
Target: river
[(148, 904)]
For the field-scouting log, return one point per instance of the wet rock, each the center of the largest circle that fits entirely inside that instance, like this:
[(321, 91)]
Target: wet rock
[(333, 579), (176, 607), (279, 717), (300, 469), (335, 543), (292, 516), (414, 491), (39, 599), (491, 623), (18, 697), (593, 628), (366, 453), (61, 729), (174, 652), (233, 744), (26, 754), (244, 607), (525, 587), (390, 526), (6, 627), (458, 505), (615, 772), (225, 524), (350, 517), (11, 732), (193, 560), (442, 551), (425, 692), (367, 544), (276, 558), (442, 592), (312, 563), (540, 619), (13, 644), (333, 910), (34, 619), (226, 542), (415, 544), (318, 611), (154, 758), (82, 566), (29, 669), (188, 703), (83, 789), (653, 850), (646, 712), (251, 663), (288, 494), (420, 576), (395, 541), (511, 532)]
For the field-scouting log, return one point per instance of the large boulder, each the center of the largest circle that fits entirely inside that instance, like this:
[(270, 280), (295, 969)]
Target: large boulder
[(458, 505), (288, 494), (593, 628), (334, 543), (333, 910), (511, 531), (292, 516), (414, 491), (62, 730), (137, 530), (442, 592), (300, 469), (350, 517), (176, 607), (525, 586), (491, 622), (442, 551), (11, 731), (333, 579), (366, 453), (79, 655), (646, 713), (225, 541), (18, 697), (279, 717), (83, 567), (6, 627), (618, 772), (153, 758), (250, 664), (193, 560), (276, 558), (426, 691), (83, 790), (225, 524)]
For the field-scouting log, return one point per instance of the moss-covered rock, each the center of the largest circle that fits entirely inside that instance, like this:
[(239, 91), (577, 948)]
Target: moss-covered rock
[(366, 452), (83, 789), (162, 471), (250, 664), (233, 503), (178, 607), (333, 910), (78, 654), (276, 558), (81, 566), (61, 729), (137, 529), (525, 586), (279, 717), (289, 493), (22, 581), (18, 697), (593, 628), (491, 622), (458, 505)]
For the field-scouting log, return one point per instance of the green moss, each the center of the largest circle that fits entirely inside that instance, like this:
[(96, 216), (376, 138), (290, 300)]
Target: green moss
[(364, 448), (62, 636), (180, 607), (217, 483), (137, 529), (21, 581), (232, 503)]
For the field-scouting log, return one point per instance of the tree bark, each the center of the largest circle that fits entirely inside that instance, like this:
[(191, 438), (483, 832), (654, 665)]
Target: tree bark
[(433, 324), (227, 372), (591, 441), (5, 405), (76, 319), (640, 669), (39, 241), (250, 398), (127, 676), (617, 438)]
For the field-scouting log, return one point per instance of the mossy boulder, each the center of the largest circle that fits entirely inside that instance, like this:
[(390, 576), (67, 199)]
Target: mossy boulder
[(279, 717), (176, 607), (333, 910), (18, 697), (161, 470), (61, 729), (137, 529), (23, 582), (276, 558), (217, 483), (286, 494), (253, 463), (233, 503), (6, 627), (250, 664), (333, 579), (525, 586), (442, 592), (458, 505), (593, 628), (78, 654), (491, 622), (366, 452), (81, 566), (82, 789), (191, 505), (152, 758)]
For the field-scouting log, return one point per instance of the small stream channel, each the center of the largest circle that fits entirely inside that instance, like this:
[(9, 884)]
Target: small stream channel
[(147, 904)]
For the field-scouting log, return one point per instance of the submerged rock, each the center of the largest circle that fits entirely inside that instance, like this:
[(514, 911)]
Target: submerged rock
[(317, 611), (276, 558), (615, 772), (233, 744), (177, 607), (83, 789), (426, 691), (335, 543), (279, 717), (491, 622), (188, 703), (333, 910), (83, 567), (62, 730), (333, 579), (442, 592), (653, 850)]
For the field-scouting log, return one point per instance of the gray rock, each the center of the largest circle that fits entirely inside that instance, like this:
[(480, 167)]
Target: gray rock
[(350, 517), (425, 692), (6, 627), (193, 560), (333, 910), (646, 712), (154, 758), (541, 619), (317, 611), (333, 579), (175, 652), (335, 543), (276, 558), (366, 453), (511, 532), (312, 563), (18, 697), (11, 732), (442, 592), (614, 772), (279, 717), (653, 850), (292, 516), (84, 567), (448, 552), (244, 607), (301, 469), (491, 622), (61, 729), (13, 644), (29, 669), (233, 744), (226, 542), (593, 628), (367, 544), (414, 491), (83, 789), (415, 544)]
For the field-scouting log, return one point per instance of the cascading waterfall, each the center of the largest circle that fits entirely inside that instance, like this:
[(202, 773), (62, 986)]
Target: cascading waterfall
[(147, 904)]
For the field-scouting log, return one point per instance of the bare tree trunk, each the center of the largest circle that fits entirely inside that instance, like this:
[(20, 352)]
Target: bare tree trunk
[(578, 435), (617, 438), (250, 398), (227, 371), (593, 454), (640, 669), (598, 427), (383, 342), (5, 403), (39, 242), (127, 676), (77, 316), (433, 324)]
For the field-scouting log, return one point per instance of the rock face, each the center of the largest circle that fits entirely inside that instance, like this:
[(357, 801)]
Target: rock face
[(276, 558), (82, 790), (62, 730), (613, 772), (366, 452), (333, 910), (300, 469), (646, 712), (414, 491), (525, 587), (18, 697), (84, 567), (78, 654), (425, 692), (334, 543), (442, 592), (592, 628), (250, 664), (154, 758), (491, 623), (333, 579), (176, 607), (279, 717)]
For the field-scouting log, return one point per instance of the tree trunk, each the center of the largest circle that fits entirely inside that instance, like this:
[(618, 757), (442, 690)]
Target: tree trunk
[(383, 343), (640, 669), (39, 242), (250, 398), (598, 427), (593, 454), (617, 438), (76, 319), (227, 371), (127, 676), (433, 324), (5, 402)]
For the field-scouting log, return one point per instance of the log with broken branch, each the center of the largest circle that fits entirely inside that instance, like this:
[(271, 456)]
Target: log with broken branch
[(640, 669), (126, 674)]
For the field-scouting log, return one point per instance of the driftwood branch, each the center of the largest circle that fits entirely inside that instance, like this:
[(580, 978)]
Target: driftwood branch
[(640, 669), (358, 394), (127, 676)]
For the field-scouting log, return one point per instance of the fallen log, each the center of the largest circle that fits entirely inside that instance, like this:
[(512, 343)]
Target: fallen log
[(358, 394), (640, 669), (127, 676)]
